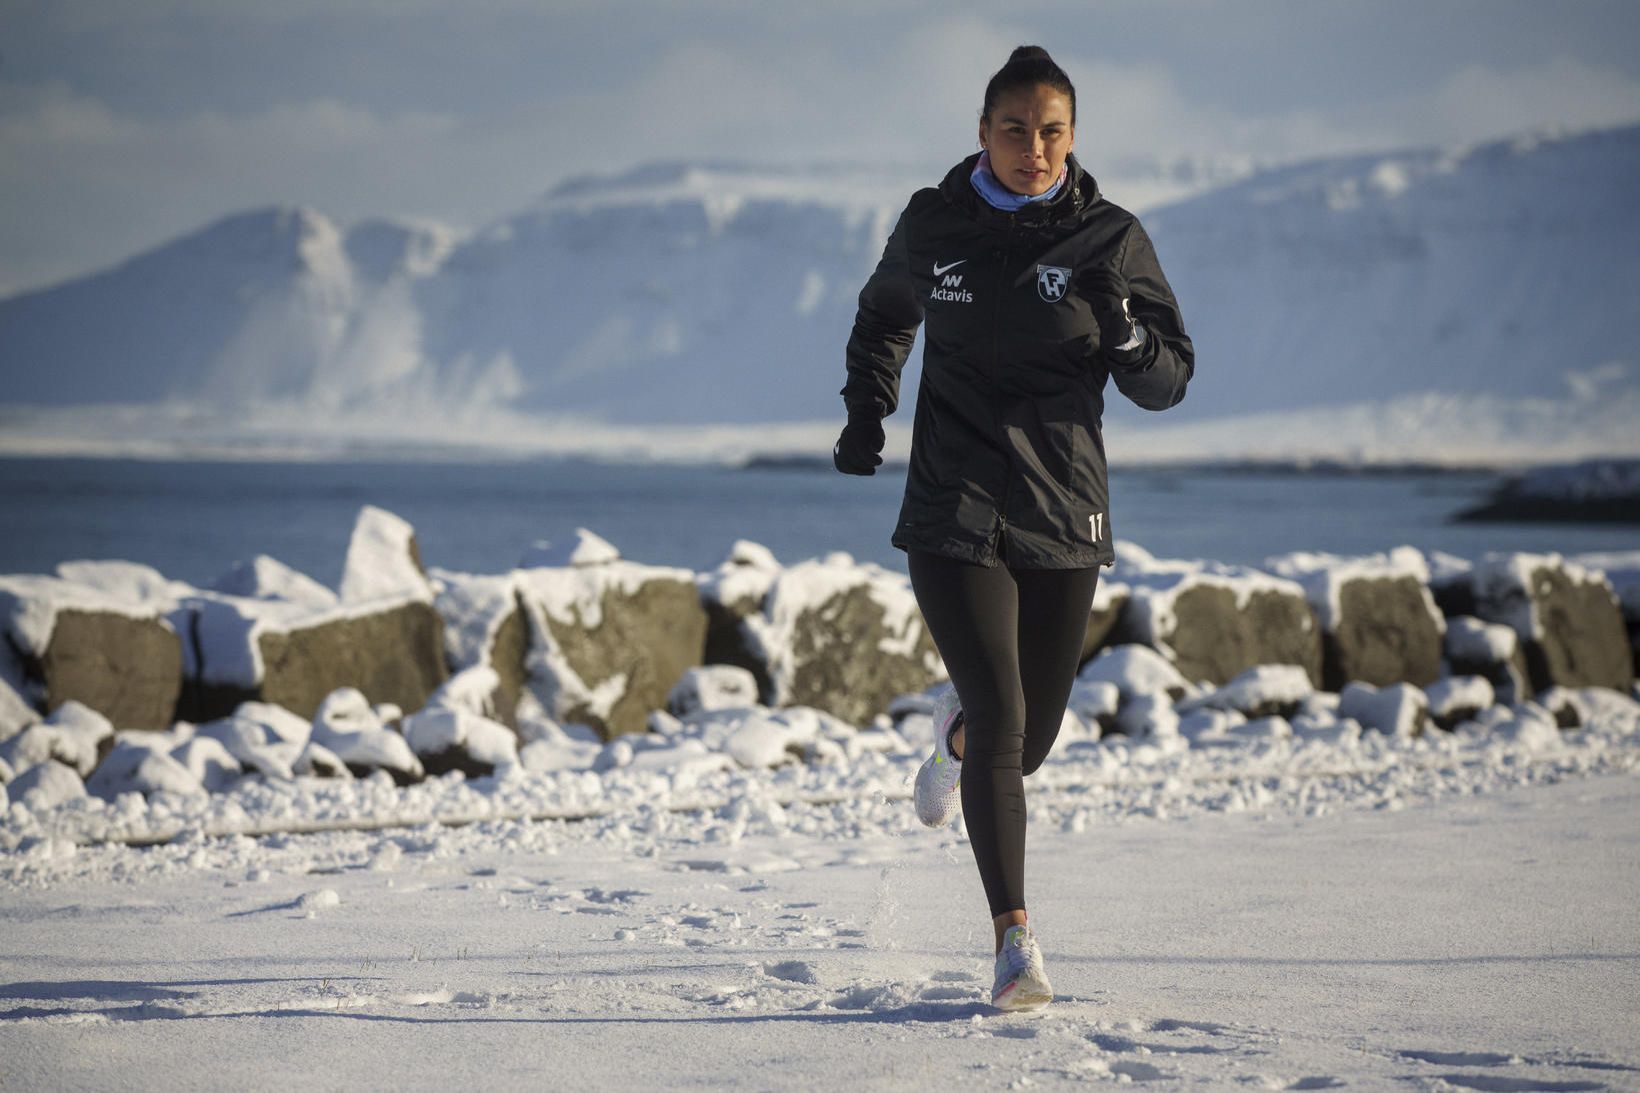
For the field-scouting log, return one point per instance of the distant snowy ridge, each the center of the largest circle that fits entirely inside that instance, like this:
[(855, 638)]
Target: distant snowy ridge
[(1503, 271), (1432, 427), (1432, 299)]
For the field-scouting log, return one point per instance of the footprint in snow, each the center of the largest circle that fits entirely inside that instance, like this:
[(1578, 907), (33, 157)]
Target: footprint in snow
[(1498, 1083), (1509, 1083), (793, 971), (1176, 1037), (1462, 1058)]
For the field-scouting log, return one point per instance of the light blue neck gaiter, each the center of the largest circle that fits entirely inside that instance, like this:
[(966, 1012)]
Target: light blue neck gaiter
[(999, 196)]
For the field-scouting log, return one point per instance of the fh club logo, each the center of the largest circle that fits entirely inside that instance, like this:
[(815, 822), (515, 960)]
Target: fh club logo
[(950, 287), (1051, 282)]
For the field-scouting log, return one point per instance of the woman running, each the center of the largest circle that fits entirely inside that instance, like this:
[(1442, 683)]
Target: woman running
[(1033, 289)]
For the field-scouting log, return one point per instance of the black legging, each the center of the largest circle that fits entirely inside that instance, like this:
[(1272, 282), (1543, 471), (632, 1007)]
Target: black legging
[(1010, 639)]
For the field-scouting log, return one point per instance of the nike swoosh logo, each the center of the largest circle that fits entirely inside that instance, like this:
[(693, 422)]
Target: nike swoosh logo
[(939, 269)]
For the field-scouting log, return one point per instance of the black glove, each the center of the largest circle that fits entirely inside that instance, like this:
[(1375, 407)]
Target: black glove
[(857, 450), (1106, 291)]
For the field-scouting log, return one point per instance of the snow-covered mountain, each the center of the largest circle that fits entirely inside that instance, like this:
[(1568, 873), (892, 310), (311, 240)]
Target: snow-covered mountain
[(719, 294), (697, 293), (1505, 270)]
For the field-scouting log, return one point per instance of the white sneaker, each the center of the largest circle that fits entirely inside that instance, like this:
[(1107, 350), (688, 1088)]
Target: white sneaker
[(1021, 984), (938, 797)]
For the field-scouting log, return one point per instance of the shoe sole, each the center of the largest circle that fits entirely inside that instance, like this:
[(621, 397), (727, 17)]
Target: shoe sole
[(1014, 1001), (1023, 994), (936, 821)]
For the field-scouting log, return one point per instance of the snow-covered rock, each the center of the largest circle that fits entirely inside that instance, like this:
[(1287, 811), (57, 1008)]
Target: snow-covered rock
[(1458, 698), (392, 652), (1378, 619), (134, 768), (1400, 711), (1213, 620), (74, 734), (16, 714), (1148, 717), (1470, 640), (844, 637), (383, 636), (1258, 692), (733, 593), (1096, 702), (712, 687), (1490, 650), (1566, 705), (347, 727), (383, 561), (1566, 616), (96, 632), (209, 761), (1622, 569), (486, 626), (551, 747), (608, 640), (276, 721), (261, 738), (1110, 599), (1135, 670), (471, 690), (458, 739), (46, 785)]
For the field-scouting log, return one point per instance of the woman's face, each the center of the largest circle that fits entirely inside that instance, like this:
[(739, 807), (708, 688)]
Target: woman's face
[(1028, 134)]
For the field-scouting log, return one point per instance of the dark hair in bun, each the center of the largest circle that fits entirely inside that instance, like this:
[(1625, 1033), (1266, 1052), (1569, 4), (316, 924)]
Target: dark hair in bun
[(1028, 66)]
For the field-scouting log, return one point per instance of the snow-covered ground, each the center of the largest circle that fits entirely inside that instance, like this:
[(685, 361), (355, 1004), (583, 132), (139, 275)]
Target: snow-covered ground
[(1238, 907)]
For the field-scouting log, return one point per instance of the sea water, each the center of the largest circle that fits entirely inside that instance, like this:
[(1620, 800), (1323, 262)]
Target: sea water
[(193, 520)]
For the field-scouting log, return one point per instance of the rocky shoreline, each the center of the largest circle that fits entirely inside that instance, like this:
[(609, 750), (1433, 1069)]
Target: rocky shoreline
[(130, 681), (1599, 491)]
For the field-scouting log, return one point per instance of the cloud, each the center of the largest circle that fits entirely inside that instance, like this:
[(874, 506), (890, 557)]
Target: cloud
[(87, 184), (89, 179), (1480, 100)]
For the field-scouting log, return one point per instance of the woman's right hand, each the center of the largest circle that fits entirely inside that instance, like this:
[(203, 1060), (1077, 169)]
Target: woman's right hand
[(858, 450), (1106, 291)]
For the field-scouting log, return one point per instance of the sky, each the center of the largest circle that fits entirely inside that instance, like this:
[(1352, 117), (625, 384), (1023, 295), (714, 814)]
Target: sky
[(124, 124)]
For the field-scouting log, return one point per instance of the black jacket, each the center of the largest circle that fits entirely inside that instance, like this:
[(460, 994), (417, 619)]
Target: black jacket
[(1007, 457)]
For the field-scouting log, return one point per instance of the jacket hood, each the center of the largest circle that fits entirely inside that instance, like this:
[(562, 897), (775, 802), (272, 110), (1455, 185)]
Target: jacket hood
[(1080, 193)]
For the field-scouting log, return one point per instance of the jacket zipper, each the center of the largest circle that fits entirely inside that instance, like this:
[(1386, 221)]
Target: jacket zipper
[(1007, 253)]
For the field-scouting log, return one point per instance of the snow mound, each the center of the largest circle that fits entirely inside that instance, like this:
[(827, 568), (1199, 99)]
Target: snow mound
[(1258, 691), (1400, 710), (1135, 670)]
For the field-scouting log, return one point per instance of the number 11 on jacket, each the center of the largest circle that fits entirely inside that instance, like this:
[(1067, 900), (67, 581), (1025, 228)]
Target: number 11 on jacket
[(1097, 525)]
